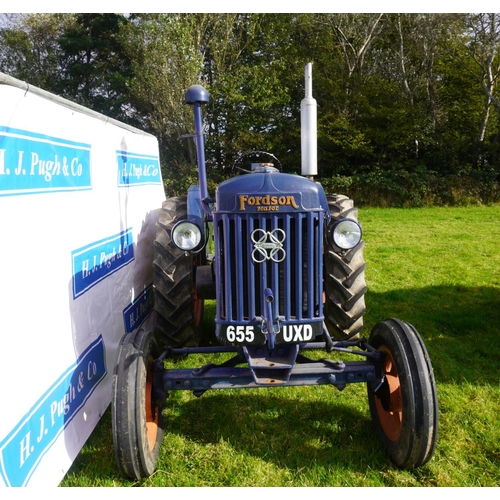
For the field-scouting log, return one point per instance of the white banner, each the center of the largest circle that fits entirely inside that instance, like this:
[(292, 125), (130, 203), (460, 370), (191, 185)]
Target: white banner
[(79, 196)]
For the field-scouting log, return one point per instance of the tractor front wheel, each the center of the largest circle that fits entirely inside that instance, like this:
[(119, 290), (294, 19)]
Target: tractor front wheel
[(404, 408), (137, 422)]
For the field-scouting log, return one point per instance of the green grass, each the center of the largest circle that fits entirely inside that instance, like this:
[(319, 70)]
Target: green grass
[(436, 268)]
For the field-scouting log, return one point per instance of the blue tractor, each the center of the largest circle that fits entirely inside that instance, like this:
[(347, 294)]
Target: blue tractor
[(287, 276)]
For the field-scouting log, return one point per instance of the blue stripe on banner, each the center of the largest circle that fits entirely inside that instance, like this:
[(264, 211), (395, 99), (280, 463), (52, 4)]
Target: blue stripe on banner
[(138, 310), (33, 163), (24, 447), (136, 169), (96, 261)]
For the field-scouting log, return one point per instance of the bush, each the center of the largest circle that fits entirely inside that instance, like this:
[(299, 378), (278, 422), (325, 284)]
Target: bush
[(416, 187)]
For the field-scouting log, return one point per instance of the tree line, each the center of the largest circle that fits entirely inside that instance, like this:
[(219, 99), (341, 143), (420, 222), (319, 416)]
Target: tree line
[(408, 107)]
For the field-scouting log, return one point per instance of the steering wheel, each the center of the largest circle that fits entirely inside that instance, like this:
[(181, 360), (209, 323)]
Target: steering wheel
[(255, 157)]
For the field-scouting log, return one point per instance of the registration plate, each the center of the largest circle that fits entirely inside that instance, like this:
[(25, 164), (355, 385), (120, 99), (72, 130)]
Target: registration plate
[(252, 334)]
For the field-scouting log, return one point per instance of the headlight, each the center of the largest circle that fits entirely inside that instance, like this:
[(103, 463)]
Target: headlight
[(346, 233), (186, 235)]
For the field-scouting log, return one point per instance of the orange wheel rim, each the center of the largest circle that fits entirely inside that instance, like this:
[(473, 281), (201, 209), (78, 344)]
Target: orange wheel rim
[(151, 420), (391, 420)]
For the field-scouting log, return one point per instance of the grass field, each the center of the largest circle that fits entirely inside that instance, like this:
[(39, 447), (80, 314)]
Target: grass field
[(436, 268)]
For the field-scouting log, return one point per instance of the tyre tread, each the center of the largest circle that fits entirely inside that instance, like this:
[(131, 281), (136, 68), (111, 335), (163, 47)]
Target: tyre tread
[(133, 459), (345, 286), (173, 281), (417, 443)]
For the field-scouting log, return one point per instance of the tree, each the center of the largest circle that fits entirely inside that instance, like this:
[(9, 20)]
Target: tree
[(394, 107), (163, 50), (240, 58), (30, 50), (97, 69), (484, 48), (248, 67)]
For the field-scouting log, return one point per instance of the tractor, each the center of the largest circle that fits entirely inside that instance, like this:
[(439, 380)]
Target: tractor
[(284, 263)]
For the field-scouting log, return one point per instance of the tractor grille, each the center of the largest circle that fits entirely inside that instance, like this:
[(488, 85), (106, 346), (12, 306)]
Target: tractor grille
[(291, 254)]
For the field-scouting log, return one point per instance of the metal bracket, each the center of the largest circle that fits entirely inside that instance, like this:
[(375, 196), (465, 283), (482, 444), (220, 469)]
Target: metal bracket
[(272, 368)]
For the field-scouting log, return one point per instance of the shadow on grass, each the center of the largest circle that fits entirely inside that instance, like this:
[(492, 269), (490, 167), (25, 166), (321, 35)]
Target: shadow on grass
[(289, 433)]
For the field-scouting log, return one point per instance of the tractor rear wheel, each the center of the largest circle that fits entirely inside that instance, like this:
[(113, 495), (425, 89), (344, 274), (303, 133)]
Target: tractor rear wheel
[(137, 422), (344, 278), (179, 313), (405, 408)]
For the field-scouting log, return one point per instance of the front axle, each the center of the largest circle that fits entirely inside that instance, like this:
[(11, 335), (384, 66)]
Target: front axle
[(256, 366)]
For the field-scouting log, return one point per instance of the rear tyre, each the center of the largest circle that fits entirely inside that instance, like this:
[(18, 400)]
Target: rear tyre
[(137, 422), (344, 277), (404, 409), (179, 313)]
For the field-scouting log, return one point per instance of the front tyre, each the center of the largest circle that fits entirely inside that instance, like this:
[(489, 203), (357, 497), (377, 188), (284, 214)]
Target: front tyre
[(137, 422), (404, 409)]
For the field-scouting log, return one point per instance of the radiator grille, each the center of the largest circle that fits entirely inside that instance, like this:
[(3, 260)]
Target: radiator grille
[(296, 281)]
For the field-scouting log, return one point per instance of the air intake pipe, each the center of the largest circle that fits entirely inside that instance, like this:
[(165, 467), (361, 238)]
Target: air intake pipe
[(196, 96)]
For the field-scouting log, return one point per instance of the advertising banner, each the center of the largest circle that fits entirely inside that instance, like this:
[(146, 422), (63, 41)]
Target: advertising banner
[(79, 198)]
